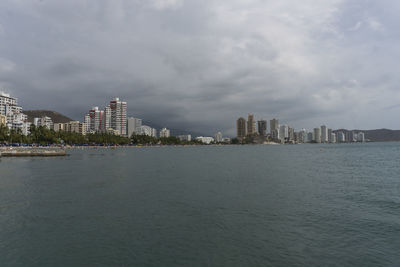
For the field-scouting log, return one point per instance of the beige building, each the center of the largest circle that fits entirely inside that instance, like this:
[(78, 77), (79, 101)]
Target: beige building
[(77, 127), (2, 120), (59, 127), (251, 125)]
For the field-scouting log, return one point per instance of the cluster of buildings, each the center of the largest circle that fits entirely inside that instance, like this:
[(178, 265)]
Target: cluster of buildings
[(112, 119), (11, 114), (281, 133)]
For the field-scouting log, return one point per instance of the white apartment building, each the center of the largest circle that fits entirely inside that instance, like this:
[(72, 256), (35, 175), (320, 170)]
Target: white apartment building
[(205, 139), (324, 134), (218, 137), (15, 119), (317, 135), (147, 130), (164, 132), (133, 126), (283, 132), (96, 118), (118, 116), (44, 122)]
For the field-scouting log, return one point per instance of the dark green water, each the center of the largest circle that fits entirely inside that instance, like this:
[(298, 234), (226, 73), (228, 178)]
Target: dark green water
[(304, 205)]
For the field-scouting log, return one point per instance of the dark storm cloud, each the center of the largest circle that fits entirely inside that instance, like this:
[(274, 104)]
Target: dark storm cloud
[(198, 65)]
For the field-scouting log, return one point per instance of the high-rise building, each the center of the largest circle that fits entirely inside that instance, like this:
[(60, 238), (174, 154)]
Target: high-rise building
[(324, 134), (241, 128), (340, 137), (87, 123), (107, 117), (361, 137), (283, 133), (291, 136), (96, 120), (317, 135), (133, 126), (15, 119), (330, 135), (303, 136), (218, 137), (251, 125), (262, 127), (333, 138), (118, 115), (164, 132), (273, 125)]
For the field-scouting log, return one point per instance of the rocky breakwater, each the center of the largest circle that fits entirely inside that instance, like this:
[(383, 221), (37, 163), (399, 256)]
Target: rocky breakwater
[(32, 152)]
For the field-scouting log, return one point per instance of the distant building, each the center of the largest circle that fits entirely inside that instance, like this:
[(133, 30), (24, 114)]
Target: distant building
[(291, 136), (118, 115), (96, 120), (241, 128), (317, 135), (185, 138), (226, 140), (77, 127), (361, 137), (332, 138), (324, 134), (274, 126), (107, 117), (43, 122), (340, 137), (205, 139), (15, 119), (283, 133), (302, 136), (251, 125), (86, 120), (147, 130), (329, 135), (218, 137), (310, 137), (58, 127), (164, 132), (133, 126), (262, 127)]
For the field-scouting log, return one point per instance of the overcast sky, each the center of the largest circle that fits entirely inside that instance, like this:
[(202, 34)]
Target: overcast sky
[(201, 64)]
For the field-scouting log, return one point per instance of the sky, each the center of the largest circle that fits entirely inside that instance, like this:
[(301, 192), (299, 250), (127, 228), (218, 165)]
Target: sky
[(199, 65)]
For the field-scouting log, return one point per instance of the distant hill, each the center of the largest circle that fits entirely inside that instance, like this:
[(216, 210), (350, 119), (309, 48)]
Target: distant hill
[(55, 116), (378, 135)]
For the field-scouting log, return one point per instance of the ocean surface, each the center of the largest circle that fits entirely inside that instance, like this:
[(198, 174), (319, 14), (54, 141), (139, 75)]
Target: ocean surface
[(266, 205)]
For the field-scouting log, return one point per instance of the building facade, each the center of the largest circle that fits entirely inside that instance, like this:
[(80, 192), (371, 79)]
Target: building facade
[(218, 137), (251, 125), (15, 119), (164, 132), (241, 128), (118, 116), (133, 126), (262, 127)]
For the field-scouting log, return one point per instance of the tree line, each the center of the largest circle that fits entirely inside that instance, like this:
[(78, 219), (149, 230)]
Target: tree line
[(44, 136)]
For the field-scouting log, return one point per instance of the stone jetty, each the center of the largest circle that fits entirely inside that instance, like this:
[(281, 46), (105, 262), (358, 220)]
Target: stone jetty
[(32, 152)]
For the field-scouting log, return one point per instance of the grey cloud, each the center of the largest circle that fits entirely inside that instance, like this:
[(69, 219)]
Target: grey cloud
[(198, 65)]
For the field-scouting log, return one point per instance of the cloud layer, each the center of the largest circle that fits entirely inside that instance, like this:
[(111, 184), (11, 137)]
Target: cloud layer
[(198, 65)]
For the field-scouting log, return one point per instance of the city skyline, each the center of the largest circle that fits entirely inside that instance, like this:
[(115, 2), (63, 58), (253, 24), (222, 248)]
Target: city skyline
[(303, 62)]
